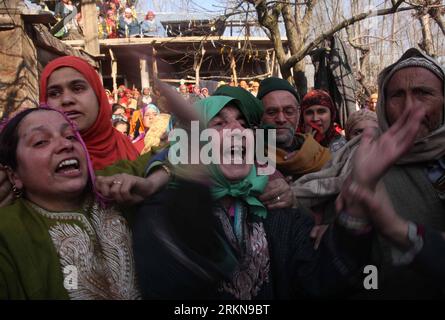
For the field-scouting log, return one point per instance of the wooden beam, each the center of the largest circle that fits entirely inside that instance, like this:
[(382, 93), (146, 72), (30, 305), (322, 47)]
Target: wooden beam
[(259, 76), (89, 14), (180, 40), (154, 63), (177, 80), (145, 77), (114, 73), (44, 18)]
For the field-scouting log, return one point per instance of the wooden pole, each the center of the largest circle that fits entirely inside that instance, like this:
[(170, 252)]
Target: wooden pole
[(274, 73), (89, 15), (155, 64), (114, 73), (145, 77), (233, 67), (268, 68), (199, 57)]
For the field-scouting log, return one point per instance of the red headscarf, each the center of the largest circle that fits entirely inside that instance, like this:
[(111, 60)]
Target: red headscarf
[(321, 98), (104, 143)]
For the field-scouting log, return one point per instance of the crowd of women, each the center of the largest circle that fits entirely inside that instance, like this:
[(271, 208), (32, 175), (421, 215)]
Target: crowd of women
[(115, 19), (76, 194)]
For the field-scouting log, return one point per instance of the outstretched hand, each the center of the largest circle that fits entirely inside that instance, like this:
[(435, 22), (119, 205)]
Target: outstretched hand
[(124, 188), (361, 196), (375, 155), (177, 105)]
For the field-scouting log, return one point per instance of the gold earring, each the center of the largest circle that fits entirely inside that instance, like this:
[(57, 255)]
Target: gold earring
[(17, 192)]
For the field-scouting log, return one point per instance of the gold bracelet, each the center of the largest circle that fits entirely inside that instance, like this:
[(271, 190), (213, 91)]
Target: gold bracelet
[(167, 169)]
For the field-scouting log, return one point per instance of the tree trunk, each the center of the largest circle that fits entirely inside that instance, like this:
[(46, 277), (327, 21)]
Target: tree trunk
[(199, 57), (427, 41), (300, 78)]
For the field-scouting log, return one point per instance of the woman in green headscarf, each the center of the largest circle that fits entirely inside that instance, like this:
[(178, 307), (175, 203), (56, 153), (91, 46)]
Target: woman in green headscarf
[(232, 180), (188, 246)]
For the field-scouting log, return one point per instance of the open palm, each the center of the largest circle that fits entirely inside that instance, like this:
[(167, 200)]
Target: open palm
[(376, 155)]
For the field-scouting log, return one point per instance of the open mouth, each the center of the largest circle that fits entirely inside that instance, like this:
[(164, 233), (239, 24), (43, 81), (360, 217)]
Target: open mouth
[(68, 167), (235, 154)]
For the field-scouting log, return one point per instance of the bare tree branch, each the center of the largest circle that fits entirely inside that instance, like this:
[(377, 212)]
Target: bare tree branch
[(440, 23), (310, 46), (308, 17), (269, 18)]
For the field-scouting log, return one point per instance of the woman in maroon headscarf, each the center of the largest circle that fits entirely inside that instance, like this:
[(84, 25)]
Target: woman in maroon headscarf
[(318, 115), (71, 85)]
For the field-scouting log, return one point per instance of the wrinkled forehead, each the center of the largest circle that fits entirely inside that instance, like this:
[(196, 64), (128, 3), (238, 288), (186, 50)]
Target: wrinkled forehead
[(48, 120), (278, 98), (229, 110), (413, 71)]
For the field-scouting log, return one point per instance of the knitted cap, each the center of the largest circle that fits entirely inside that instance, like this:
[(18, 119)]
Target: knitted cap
[(274, 84), (251, 107)]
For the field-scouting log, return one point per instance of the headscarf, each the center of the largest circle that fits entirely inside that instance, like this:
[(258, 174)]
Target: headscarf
[(250, 106), (357, 117), (105, 144), (91, 173), (148, 13), (322, 98), (143, 111), (251, 186), (432, 146), (150, 106)]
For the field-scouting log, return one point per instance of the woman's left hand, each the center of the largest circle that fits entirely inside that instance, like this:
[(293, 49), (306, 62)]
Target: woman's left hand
[(277, 194), (124, 188)]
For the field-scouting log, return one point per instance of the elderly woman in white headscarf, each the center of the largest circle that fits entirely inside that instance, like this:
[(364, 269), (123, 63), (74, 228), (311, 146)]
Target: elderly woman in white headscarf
[(358, 121)]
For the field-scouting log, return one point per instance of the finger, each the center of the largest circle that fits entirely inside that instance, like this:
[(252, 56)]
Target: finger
[(407, 126), (115, 192), (177, 105), (314, 232), (273, 196), (268, 197), (409, 131), (113, 183), (126, 194), (275, 188), (321, 232), (130, 192), (317, 241), (103, 187), (368, 135), (277, 205)]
